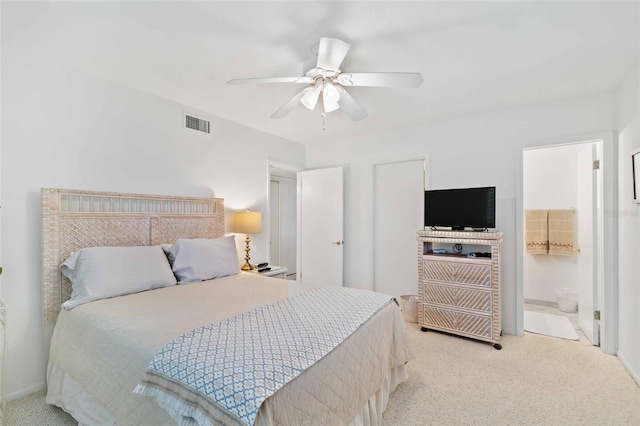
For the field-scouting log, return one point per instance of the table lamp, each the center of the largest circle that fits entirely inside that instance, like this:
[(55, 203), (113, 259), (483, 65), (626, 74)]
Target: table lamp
[(247, 222)]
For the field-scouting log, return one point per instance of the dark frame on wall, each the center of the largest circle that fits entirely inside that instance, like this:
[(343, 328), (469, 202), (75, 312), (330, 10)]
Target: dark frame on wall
[(635, 168)]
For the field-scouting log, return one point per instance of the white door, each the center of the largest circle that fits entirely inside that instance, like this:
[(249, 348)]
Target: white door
[(320, 226), (586, 241), (398, 214)]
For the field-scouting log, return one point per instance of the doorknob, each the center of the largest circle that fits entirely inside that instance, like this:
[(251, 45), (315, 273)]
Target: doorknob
[(337, 242)]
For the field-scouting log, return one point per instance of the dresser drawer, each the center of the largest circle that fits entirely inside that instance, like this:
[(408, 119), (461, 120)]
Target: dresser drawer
[(457, 272), (460, 297), (474, 325)]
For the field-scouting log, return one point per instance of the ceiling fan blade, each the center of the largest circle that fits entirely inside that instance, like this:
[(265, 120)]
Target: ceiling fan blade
[(331, 53), (381, 79), (351, 107), (291, 104), (301, 80)]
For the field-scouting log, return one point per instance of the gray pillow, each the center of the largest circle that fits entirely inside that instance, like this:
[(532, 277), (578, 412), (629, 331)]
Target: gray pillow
[(101, 272), (202, 259)]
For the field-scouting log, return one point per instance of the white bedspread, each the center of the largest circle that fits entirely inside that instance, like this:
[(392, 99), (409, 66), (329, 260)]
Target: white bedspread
[(101, 349)]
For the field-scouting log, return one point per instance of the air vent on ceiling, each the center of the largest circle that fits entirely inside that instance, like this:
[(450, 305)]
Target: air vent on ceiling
[(196, 123)]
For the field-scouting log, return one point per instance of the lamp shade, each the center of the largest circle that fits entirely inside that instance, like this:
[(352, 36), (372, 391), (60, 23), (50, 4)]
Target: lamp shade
[(246, 222), (310, 98), (330, 97)]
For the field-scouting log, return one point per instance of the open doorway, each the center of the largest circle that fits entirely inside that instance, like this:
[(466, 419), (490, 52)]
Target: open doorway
[(563, 240)]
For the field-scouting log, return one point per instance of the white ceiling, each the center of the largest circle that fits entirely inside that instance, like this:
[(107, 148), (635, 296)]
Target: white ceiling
[(474, 56)]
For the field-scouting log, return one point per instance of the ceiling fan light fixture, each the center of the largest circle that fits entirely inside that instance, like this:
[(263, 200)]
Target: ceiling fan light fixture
[(310, 98), (330, 106), (330, 92), (330, 96)]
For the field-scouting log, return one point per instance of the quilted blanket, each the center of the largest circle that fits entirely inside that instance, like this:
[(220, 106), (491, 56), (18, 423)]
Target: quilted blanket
[(223, 372)]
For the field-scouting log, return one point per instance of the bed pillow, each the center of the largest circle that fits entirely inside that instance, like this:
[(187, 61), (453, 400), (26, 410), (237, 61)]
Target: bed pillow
[(202, 259), (102, 272), (167, 251)]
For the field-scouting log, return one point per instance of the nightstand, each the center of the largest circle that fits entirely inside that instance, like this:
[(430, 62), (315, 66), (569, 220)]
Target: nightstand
[(274, 272)]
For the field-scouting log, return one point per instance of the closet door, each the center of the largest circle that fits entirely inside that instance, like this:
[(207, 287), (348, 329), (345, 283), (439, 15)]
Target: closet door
[(321, 226), (398, 214)]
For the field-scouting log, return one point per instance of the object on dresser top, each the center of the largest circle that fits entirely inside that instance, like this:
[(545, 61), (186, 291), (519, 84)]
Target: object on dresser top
[(439, 251), (479, 254)]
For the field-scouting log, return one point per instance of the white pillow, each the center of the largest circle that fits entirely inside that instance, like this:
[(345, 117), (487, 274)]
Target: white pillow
[(202, 259), (101, 272), (167, 251)]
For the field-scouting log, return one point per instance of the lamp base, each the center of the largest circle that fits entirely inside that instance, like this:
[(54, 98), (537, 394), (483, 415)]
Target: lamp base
[(247, 267)]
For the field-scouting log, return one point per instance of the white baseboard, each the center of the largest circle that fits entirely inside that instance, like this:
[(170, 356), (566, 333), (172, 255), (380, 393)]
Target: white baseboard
[(26, 391), (626, 365)]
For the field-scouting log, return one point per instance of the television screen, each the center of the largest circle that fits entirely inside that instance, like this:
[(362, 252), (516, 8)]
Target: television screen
[(461, 208)]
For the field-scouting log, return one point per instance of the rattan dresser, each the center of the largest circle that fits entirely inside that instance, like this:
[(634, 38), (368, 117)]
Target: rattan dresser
[(460, 294)]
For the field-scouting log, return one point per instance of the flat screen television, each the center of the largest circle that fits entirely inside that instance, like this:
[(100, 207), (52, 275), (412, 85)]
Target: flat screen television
[(461, 208)]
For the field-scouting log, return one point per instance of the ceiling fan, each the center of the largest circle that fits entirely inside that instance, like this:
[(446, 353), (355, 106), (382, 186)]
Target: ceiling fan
[(327, 78)]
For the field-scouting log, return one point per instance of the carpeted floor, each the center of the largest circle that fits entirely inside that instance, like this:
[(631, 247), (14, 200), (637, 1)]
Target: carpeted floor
[(455, 381)]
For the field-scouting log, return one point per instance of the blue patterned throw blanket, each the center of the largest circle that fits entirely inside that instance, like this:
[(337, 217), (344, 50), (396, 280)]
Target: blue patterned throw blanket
[(221, 373)]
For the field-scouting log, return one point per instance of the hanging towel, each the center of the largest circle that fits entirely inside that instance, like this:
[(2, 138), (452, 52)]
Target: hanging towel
[(561, 232), (536, 231)]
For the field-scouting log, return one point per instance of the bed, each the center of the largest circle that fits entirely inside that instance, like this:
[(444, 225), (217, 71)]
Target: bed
[(101, 350)]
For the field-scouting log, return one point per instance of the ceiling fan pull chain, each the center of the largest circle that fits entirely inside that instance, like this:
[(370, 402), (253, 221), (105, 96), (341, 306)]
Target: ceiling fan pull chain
[(324, 117)]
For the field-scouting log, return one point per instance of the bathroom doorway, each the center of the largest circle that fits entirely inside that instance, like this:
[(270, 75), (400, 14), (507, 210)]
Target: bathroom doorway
[(563, 240)]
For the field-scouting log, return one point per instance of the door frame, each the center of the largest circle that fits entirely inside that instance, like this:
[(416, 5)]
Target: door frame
[(267, 221), (607, 235)]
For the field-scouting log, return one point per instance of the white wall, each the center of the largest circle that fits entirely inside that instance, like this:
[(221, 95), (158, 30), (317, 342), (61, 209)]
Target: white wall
[(550, 182), (629, 226), (68, 130), (481, 150)]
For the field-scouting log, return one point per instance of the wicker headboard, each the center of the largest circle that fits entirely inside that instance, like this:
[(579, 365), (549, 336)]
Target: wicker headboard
[(74, 219)]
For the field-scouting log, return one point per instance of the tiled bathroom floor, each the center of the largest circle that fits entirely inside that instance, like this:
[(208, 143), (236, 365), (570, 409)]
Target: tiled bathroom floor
[(573, 316)]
